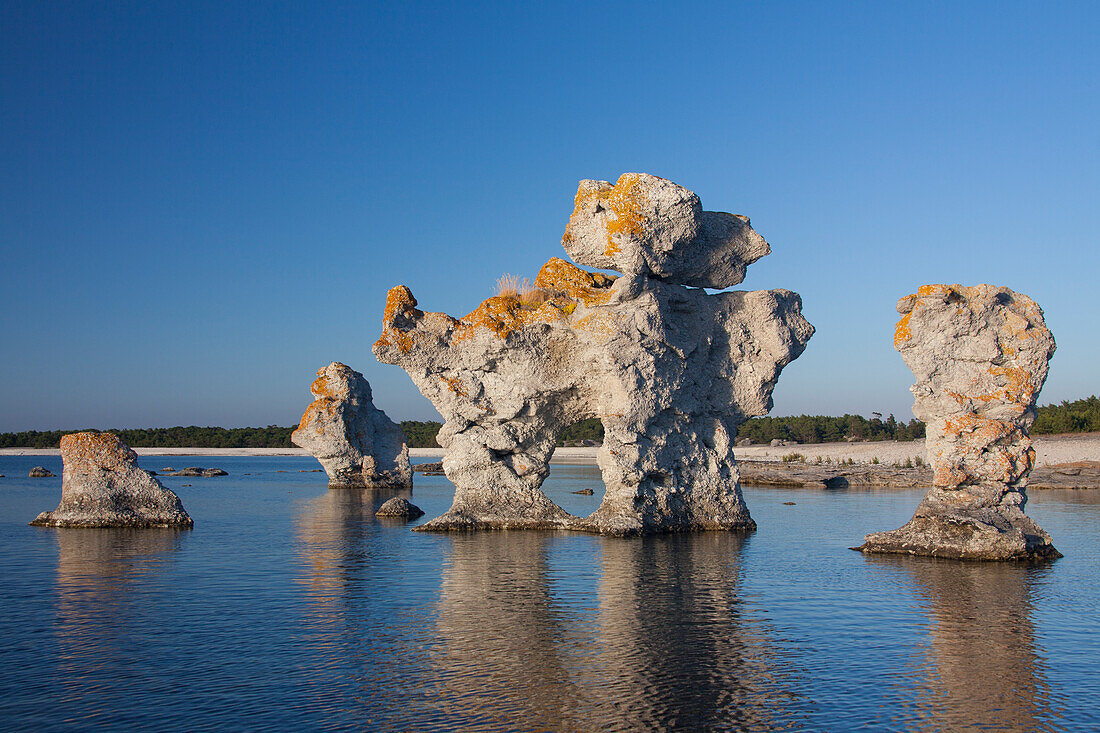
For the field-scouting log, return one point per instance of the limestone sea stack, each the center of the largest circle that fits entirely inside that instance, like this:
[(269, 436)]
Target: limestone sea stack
[(356, 443), (980, 355), (669, 369), (102, 486)]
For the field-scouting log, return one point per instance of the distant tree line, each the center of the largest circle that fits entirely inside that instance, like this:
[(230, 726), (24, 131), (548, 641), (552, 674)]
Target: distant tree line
[(1079, 416)]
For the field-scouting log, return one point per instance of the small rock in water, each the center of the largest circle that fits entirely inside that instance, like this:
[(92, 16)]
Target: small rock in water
[(214, 472), (399, 507), (788, 503), (40, 472), (585, 492), (166, 469)]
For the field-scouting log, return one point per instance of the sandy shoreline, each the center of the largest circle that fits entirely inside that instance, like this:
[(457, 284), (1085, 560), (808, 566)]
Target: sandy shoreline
[(1049, 449)]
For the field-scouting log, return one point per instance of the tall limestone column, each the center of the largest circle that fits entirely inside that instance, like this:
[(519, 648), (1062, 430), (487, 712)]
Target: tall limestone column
[(979, 355)]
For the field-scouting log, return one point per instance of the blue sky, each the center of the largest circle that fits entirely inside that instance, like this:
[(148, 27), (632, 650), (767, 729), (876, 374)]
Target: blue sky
[(203, 203)]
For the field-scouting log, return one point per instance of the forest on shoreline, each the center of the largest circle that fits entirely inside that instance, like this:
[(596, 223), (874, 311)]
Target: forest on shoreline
[(1079, 416)]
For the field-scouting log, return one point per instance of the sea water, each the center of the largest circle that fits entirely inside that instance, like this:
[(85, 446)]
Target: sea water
[(292, 606)]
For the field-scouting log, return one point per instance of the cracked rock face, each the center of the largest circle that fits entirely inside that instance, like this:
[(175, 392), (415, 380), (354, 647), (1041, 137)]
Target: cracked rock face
[(670, 370), (980, 356), (355, 442), (102, 486)]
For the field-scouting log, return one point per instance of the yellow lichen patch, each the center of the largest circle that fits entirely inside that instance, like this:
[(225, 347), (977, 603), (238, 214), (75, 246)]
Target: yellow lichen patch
[(398, 300), (590, 288), (901, 331), (403, 341), (104, 450), (454, 385), (504, 316), (626, 200), (1018, 387), (317, 410), (600, 324)]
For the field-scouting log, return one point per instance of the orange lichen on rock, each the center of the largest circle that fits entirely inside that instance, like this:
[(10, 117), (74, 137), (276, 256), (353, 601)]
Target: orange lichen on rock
[(590, 288), (105, 450), (455, 386), (504, 316), (626, 199), (902, 333), (399, 301)]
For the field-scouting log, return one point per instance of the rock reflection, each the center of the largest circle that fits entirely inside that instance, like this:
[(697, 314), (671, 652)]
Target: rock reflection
[(331, 532), (984, 672), (663, 642), (102, 602)]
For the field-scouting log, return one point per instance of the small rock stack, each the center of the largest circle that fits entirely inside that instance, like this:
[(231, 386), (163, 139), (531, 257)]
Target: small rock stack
[(980, 356), (102, 486), (356, 443)]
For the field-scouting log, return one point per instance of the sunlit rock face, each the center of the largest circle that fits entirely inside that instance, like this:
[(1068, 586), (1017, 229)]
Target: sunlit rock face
[(357, 445), (980, 356), (670, 370), (102, 486)]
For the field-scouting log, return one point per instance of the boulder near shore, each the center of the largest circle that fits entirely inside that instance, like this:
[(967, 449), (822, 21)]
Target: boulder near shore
[(102, 486)]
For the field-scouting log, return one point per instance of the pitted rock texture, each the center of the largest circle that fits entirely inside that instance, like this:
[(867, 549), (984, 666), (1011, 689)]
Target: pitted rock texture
[(102, 486), (980, 356), (670, 370), (357, 445)]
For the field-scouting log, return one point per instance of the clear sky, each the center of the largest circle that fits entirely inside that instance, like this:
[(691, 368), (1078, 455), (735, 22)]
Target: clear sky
[(201, 203)]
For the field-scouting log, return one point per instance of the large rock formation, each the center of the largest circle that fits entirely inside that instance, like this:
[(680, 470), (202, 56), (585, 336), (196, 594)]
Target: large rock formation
[(356, 443), (979, 355), (670, 370), (102, 486)]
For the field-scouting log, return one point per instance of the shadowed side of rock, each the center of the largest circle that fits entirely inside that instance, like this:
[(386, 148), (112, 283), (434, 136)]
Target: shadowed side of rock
[(102, 486), (980, 356), (355, 442)]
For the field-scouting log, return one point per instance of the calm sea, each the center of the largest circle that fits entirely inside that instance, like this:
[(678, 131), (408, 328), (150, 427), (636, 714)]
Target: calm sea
[(290, 606)]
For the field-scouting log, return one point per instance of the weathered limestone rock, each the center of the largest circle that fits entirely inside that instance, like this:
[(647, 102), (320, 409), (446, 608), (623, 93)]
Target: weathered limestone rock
[(670, 370), (40, 472), (399, 506), (102, 486), (356, 443), (979, 355), (647, 225)]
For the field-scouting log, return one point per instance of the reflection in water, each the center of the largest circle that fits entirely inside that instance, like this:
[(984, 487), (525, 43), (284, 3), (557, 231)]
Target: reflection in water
[(515, 651), (100, 603), (331, 530), (983, 669), (363, 655)]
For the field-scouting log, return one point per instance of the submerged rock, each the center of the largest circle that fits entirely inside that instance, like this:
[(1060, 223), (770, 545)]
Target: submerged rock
[(980, 356), (399, 507), (669, 370), (102, 486), (428, 468), (40, 472), (357, 445), (198, 472)]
